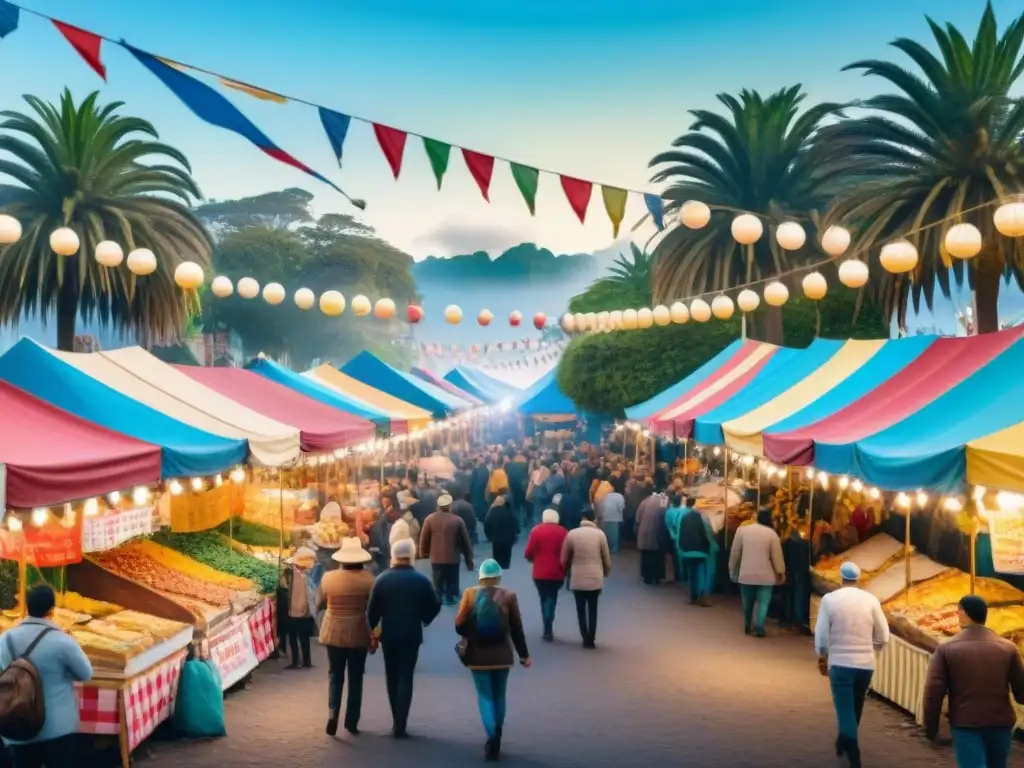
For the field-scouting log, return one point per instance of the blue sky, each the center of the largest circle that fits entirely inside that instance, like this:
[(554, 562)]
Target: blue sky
[(587, 87)]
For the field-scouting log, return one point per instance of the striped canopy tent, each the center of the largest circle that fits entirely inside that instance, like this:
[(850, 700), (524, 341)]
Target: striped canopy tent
[(545, 401), (997, 459), (484, 386), (447, 386), (373, 371), (399, 410)]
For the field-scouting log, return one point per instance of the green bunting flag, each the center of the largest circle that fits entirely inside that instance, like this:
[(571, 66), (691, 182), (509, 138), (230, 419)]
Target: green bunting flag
[(526, 179), (438, 153)]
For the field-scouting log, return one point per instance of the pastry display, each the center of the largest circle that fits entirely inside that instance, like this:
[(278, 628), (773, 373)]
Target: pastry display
[(328, 533), (948, 588), (161, 629), (136, 638), (133, 564), (104, 651), (77, 603)]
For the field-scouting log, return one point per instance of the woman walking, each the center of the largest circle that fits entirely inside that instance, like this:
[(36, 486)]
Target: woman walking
[(544, 550), (490, 624), (344, 631), (501, 528)]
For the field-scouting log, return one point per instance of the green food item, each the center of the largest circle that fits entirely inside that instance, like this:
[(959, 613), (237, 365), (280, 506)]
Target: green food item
[(210, 549), (254, 534), (8, 584)]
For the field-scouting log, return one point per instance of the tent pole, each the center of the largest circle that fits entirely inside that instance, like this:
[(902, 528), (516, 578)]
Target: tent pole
[(974, 546), (906, 553)]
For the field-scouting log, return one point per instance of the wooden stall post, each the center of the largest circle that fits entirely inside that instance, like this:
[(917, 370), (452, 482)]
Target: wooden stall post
[(725, 503), (280, 513), (974, 545), (757, 479), (906, 554), (22, 578)]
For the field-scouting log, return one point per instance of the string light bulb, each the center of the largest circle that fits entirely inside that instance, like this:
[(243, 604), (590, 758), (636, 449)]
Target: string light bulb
[(175, 488), (952, 504), (857, 486), (979, 492), (717, 451), (844, 483), (39, 516), (114, 498), (217, 480), (140, 495), (809, 473), (823, 479), (91, 507), (922, 498), (902, 501), (875, 494), (13, 523), (197, 484)]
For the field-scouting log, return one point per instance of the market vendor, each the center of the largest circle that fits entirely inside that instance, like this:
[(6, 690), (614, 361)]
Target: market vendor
[(300, 625)]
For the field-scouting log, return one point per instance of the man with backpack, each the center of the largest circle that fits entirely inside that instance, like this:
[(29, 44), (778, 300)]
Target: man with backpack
[(38, 706)]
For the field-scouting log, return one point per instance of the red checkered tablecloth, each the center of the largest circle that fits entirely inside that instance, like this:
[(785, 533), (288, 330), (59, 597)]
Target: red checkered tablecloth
[(99, 710), (261, 627)]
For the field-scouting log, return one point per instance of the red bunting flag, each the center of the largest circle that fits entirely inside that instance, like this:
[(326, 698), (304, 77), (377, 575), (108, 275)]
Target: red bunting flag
[(86, 43), (577, 191), (392, 144), (482, 168)]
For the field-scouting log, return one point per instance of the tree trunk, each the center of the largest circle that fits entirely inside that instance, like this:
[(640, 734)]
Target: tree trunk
[(986, 297), (67, 306), (773, 325)]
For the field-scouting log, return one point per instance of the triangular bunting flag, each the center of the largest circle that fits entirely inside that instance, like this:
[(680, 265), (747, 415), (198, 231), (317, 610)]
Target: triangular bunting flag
[(656, 207), (438, 153), (336, 127), (253, 91), (482, 168), (577, 192), (614, 206), (392, 144), (8, 18), (526, 179), (86, 43)]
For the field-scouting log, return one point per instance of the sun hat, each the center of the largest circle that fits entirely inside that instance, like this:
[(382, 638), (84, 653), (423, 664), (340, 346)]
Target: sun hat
[(489, 569), (403, 549), (304, 556), (849, 571), (351, 552), (549, 516), (331, 512), (444, 500)]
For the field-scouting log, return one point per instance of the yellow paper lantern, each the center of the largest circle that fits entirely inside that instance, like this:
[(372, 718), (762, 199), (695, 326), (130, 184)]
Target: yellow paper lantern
[(776, 294), (722, 307), (815, 286), (10, 229), (963, 241), (898, 257), (694, 214), (746, 229), (748, 300), (108, 253), (332, 303), (661, 315), (304, 298), (835, 241), (790, 236), (141, 261), (853, 273), (615, 320), (1009, 219), (361, 306), (568, 323), (188, 275), (629, 319), (581, 322), (700, 310), (679, 313), (604, 320), (64, 241), (384, 309), (484, 317), (644, 318), (222, 287), (592, 321), (248, 288), (452, 314), (273, 293)]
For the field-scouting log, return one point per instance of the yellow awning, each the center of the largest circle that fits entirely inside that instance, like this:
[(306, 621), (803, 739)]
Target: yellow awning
[(741, 370), (743, 434), (997, 460), (415, 418)]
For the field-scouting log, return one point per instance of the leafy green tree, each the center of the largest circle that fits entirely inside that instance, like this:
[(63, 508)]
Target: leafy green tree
[(284, 209), (755, 158), (628, 285), (946, 144), (107, 177)]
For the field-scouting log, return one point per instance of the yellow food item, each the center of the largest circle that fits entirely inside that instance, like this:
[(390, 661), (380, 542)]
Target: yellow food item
[(103, 648), (947, 589), (1006, 621), (329, 533), (111, 631), (73, 601), (66, 619), (184, 564), (161, 629)]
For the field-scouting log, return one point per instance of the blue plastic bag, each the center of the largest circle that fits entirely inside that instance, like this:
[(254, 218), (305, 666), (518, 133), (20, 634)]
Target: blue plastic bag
[(199, 709)]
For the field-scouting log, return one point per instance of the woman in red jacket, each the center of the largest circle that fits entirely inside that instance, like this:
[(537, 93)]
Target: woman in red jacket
[(544, 550)]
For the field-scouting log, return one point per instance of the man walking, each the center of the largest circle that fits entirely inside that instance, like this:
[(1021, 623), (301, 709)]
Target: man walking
[(851, 628), (444, 540), (651, 535), (975, 670), (756, 564), (586, 557), (611, 510), (464, 509), (402, 602), (696, 547)]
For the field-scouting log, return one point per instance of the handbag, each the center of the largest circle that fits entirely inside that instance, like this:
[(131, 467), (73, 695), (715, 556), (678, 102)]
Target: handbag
[(462, 651)]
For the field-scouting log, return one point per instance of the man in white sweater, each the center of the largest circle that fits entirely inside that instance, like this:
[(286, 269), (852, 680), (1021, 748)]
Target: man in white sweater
[(851, 628)]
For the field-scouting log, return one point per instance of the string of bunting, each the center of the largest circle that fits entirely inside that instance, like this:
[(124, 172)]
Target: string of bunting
[(212, 107)]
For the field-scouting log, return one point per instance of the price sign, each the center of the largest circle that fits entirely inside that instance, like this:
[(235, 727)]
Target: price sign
[(1006, 528), (191, 512), (103, 533), (232, 653), (55, 543)]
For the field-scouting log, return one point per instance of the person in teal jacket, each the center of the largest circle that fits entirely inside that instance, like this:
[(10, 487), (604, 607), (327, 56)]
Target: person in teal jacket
[(678, 506), (698, 552)]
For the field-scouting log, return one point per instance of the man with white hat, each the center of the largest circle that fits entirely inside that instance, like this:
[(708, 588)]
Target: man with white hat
[(851, 628), (301, 624), (445, 540)]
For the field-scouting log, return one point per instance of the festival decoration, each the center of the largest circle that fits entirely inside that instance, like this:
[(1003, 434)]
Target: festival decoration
[(273, 293), (746, 230), (188, 275), (384, 309), (515, 318), (484, 317), (679, 313), (963, 241), (776, 294), (247, 287), (304, 298), (108, 254), (222, 287), (722, 307), (141, 261), (361, 306), (414, 313), (790, 236), (10, 230), (644, 318), (580, 321), (568, 323), (853, 273), (604, 320), (64, 241), (452, 314), (815, 286), (748, 300), (1009, 219), (835, 241), (629, 319), (694, 214), (332, 303), (540, 320), (662, 316), (615, 320), (700, 311), (898, 257)]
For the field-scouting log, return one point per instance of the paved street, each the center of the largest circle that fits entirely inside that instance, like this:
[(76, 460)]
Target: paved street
[(670, 684)]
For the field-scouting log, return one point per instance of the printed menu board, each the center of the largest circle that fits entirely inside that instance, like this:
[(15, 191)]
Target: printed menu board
[(1006, 528)]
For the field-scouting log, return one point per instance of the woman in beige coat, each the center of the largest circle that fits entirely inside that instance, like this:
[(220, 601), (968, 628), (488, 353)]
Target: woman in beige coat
[(756, 564), (585, 555)]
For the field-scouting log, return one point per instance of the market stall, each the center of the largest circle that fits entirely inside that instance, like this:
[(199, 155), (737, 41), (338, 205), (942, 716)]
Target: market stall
[(447, 386), (544, 402), (330, 377), (379, 375), (484, 386)]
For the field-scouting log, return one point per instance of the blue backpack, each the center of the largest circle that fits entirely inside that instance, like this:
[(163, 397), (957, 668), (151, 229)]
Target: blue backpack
[(488, 621)]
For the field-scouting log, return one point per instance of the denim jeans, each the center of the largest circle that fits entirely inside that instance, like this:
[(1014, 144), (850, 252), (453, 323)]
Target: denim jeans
[(696, 573), (491, 685), (612, 531), (982, 747), (849, 687), (548, 592), (399, 671), (355, 660), (762, 596)]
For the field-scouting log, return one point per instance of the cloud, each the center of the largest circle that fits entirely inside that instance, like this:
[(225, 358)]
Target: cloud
[(455, 237)]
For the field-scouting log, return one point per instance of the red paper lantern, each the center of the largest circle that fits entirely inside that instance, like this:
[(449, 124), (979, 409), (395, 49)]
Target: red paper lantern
[(484, 317), (539, 321), (414, 313), (515, 318)]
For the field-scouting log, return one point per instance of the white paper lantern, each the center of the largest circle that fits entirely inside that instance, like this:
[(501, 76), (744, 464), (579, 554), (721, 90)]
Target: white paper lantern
[(815, 286), (746, 229), (273, 293), (644, 318), (790, 236), (775, 294), (604, 320), (361, 306), (10, 229), (747, 300), (615, 320), (1009, 219), (108, 253), (661, 315), (568, 323), (898, 257), (384, 309), (581, 322), (188, 275), (222, 287), (591, 321), (963, 241), (64, 241), (679, 313), (694, 214), (452, 314), (142, 261), (835, 241), (304, 298), (248, 288), (629, 319), (332, 303), (853, 273), (700, 310), (722, 307)]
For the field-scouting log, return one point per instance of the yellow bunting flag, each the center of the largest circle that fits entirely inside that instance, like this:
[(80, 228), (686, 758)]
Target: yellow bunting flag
[(615, 206), (172, 63), (258, 93)]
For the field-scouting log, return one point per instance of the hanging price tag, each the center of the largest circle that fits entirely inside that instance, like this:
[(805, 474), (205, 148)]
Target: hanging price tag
[(106, 532)]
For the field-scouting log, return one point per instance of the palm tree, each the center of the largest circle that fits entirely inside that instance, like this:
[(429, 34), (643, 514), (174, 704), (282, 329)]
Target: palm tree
[(631, 272), (88, 168), (948, 144), (628, 284), (756, 159)]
